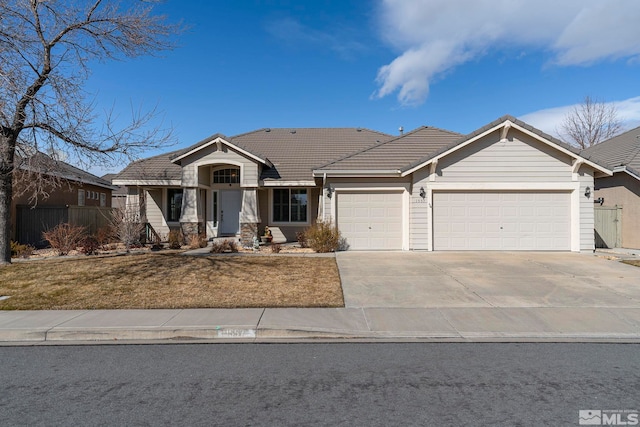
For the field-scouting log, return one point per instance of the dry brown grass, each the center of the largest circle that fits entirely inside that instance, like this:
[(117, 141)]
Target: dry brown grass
[(169, 280), (634, 262)]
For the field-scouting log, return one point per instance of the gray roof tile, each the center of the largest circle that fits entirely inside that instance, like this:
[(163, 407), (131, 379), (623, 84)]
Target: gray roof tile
[(293, 152), (621, 150)]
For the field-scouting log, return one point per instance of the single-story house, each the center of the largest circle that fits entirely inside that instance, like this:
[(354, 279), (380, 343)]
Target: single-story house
[(619, 194), (79, 197), (506, 186)]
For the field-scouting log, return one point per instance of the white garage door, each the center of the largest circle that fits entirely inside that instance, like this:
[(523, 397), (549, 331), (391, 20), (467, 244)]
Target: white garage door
[(370, 220), (501, 221)]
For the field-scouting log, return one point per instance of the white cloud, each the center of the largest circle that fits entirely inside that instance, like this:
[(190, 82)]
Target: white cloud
[(550, 120), (434, 36)]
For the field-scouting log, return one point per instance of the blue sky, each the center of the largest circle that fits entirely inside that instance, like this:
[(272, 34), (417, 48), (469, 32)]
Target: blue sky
[(453, 64)]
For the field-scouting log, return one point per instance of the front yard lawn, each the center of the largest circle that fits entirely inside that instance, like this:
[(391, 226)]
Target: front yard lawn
[(171, 281)]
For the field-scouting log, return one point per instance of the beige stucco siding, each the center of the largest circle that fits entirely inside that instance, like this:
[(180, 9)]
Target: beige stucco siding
[(420, 214), (623, 190)]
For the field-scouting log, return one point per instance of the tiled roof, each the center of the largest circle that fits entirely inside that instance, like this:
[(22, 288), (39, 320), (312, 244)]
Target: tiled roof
[(621, 150), (397, 153), (49, 166), (153, 168), (293, 152)]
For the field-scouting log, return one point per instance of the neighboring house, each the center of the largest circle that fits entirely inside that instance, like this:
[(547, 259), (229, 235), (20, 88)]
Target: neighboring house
[(80, 198), (119, 195), (621, 191), (506, 186)]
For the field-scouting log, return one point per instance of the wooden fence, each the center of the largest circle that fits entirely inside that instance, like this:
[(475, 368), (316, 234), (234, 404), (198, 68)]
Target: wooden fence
[(31, 222), (608, 226)]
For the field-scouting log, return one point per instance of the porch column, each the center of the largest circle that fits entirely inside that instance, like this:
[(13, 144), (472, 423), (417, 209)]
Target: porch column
[(189, 216), (249, 216)]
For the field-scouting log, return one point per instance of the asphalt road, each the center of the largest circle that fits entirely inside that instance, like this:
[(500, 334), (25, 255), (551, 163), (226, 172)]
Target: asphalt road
[(316, 384)]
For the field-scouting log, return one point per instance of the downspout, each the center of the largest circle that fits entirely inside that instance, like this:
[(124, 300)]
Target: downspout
[(324, 183)]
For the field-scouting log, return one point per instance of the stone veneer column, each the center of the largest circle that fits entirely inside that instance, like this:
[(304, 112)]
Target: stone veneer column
[(189, 216), (249, 217)]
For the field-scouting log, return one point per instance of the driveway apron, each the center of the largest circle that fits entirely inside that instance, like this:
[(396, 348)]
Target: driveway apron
[(486, 279)]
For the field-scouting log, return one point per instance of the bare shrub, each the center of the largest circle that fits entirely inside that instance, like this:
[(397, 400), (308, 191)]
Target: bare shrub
[(197, 241), (224, 246), (302, 239), (126, 227), (65, 237), (90, 245), (324, 237), (276, 248), (104, 236), (175, 238), (19, 250)]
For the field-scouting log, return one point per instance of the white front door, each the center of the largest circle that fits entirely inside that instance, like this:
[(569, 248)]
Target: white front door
[(229, 204)]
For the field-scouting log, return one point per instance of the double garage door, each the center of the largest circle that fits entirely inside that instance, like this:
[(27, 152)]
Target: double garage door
[(473, 220), (502, 220)]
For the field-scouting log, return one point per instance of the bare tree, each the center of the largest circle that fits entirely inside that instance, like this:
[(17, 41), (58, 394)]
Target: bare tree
[(590, 122), (46, 48)]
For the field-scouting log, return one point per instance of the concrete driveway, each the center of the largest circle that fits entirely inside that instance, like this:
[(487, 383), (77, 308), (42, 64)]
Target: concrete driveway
[(486, 279)]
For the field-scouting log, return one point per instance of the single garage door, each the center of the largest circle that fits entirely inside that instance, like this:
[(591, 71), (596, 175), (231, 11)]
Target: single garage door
[(502, 221), (370, 220)]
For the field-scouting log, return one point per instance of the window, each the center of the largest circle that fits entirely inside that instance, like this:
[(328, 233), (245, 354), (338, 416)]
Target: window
[(226, 176), (174, 204), (80, 197), (290, 205), (103, 200)]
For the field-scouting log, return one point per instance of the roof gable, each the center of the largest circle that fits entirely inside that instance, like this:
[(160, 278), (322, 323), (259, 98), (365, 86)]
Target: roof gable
[(505, 124), (218, 140)]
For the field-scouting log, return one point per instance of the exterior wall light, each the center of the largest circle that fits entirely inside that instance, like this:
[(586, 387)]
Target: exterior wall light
[(423, 193), (329, 191), (587, 192)]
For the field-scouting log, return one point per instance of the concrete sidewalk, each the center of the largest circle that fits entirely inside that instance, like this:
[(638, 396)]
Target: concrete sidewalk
[(288, 324)]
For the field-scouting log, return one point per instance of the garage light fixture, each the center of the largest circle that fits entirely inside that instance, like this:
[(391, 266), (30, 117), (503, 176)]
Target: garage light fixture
[(587, 192), (423, 193), (329, 191)]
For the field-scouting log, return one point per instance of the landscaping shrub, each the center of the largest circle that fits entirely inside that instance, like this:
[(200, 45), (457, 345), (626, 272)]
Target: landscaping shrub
[(175, 239), (276, 248), (19, 250), (224, 246), (104, 236), (65, 238), (302, 239), (90, 245), (197, 241), (126, 227), (324, 237)]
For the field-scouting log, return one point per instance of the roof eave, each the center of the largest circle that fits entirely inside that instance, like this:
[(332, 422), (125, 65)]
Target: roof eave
[(393, 173)]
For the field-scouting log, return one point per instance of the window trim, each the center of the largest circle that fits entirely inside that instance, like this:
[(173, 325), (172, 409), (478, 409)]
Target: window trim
[(81, 197), (168, 205), (289, 223)]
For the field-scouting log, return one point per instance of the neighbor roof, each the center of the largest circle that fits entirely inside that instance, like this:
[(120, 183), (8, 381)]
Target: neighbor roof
[(621, 150), (292, 152), (47, 165)]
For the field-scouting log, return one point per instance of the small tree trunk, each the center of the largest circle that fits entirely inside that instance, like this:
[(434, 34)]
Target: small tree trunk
[(7, 152)]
